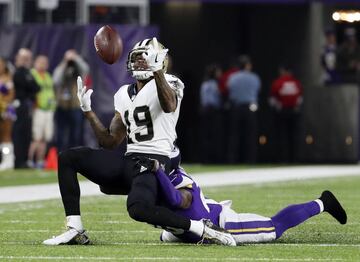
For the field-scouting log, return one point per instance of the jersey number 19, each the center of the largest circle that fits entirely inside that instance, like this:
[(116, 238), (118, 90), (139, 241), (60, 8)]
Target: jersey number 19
[(142, 117)]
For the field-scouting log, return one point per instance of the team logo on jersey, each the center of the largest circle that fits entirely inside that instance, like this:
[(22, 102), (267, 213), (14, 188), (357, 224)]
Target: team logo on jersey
[(142, 169)]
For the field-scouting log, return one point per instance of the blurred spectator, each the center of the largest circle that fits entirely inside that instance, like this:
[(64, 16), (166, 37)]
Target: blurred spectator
[(348, 57), (223, 81), (7, 116), (69, 117), (25, 90), (244, 87), (211, 127), (224, 90), (43, 118), (286, 98), (328, 58)]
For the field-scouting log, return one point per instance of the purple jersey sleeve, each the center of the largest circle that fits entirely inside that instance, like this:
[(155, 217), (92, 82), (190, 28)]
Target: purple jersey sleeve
[(172, 196)]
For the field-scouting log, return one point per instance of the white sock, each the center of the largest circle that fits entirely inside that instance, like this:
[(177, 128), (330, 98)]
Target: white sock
[(74, 222), (321, 204), (197, 227)]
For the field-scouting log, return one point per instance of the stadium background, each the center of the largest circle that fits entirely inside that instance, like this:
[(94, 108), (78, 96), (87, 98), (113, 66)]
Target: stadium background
[(198, 33)]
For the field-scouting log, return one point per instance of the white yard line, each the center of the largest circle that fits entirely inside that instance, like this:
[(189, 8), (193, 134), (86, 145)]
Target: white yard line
[(192, 258), (161, 244), (265, 175), (13, 194)]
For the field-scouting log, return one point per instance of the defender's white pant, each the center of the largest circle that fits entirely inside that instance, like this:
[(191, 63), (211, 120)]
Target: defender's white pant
[(245, 227)]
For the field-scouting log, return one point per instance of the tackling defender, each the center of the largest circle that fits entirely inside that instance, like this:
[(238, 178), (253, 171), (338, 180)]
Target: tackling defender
[(146, 113), (185, 197)]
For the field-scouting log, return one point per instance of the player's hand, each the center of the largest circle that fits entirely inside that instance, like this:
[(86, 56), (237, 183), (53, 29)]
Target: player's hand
[(155, 57), (145, 163), (84, 95)]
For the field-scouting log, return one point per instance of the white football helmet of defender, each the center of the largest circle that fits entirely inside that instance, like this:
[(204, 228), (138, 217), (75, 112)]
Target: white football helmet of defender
[(138, 49)]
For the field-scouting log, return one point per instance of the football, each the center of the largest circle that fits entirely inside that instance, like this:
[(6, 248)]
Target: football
[(108, 44)]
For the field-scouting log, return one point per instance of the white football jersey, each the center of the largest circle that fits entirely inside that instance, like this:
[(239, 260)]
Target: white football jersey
[(150, 130)]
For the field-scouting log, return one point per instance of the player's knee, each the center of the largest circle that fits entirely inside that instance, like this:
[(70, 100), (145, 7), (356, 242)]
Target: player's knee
[(64, 157), (67, 156), (138, 211)]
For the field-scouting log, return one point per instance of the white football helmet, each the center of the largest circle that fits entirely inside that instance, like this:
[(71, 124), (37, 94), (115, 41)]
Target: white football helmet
[(138, 49)]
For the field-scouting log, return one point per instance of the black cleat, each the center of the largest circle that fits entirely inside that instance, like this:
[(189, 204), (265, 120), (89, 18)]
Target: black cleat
[(333, 207)]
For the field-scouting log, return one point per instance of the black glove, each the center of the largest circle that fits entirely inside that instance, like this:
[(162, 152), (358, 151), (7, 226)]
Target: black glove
[(149, 164)]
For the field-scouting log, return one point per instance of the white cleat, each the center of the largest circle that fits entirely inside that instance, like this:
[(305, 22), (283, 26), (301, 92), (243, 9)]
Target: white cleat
[(216, 235), (70, 237)]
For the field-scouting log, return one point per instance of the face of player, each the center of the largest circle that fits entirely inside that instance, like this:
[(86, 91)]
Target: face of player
[(140, 62)]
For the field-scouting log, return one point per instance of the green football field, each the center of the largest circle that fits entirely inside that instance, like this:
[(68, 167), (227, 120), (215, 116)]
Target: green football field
[(115, 237)]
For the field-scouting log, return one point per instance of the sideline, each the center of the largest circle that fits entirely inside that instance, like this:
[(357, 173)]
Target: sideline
[(26, 193)]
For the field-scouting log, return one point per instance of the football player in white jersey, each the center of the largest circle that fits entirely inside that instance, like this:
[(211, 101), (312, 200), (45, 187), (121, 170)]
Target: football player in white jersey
[(185, 197), (146, 114)]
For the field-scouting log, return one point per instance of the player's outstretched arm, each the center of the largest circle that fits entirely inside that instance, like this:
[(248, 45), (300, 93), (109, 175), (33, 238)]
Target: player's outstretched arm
[(167, 96), (155, 57), (107, 138)]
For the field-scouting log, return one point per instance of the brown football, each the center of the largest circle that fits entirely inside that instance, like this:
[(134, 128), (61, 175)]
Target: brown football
[(108, 44)]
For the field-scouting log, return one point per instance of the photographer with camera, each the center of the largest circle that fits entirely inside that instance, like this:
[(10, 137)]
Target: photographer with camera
[(69, 117)]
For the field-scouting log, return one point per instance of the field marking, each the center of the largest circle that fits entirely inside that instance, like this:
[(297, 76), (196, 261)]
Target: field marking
[(160, 244), (255, 244), (169, 258), (115, 222), (13, 194), (57, 258)]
